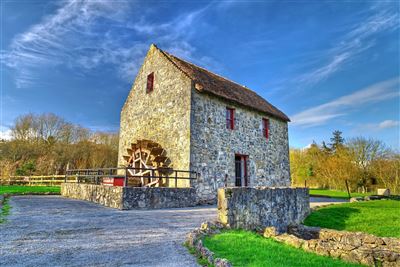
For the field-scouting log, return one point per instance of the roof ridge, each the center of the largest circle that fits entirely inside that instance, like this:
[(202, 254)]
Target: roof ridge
[(192, 71), (190, 63), (173, 63)]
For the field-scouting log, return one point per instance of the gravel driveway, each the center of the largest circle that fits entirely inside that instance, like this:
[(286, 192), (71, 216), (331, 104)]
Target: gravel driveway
[(56, 231)]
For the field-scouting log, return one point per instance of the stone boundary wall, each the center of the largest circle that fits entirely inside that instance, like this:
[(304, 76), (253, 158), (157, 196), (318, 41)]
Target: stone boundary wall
[(158, 197), (194, 240), (109, 196), (254, 208), (355, 247), (131, 197)]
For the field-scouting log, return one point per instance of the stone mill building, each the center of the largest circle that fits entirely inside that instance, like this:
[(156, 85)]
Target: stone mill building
[(202, 122)]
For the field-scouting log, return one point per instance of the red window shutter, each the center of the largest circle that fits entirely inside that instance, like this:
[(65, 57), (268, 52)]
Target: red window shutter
[(265, 128), (230, 118), (233, 119), (150, 82)]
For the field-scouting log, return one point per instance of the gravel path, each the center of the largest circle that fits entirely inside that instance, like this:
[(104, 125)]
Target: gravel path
[(324, 201), (56, 231)]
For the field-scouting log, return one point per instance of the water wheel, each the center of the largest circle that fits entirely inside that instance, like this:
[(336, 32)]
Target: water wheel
[(149, 162)]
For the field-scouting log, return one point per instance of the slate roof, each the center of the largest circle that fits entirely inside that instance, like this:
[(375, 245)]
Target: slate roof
[(208, 82)]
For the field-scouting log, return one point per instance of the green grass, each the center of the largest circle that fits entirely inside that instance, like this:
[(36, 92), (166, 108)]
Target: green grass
[(5, 210), (243, 248), (26, 190), (379, 217), (336, 193), (200, 260)]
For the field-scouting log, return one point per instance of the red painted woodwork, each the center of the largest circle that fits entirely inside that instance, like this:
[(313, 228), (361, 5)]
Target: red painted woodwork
[(230, 118), (113, 181), (241, 170), (150, 83), (265, 128)]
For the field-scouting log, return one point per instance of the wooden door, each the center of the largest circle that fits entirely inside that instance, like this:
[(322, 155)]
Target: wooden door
[(241, 178)]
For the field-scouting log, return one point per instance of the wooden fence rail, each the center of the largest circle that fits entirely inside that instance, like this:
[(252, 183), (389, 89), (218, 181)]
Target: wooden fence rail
[(37, 180)]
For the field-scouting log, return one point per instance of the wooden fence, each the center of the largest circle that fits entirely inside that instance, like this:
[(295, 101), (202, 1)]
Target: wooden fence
[(39, 180)]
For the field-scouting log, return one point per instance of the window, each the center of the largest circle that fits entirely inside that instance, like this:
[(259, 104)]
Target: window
[(265, 124), (150, 82), (230, 118)]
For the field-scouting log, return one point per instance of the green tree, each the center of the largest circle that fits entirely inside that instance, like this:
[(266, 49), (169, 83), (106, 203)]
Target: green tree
[(26, 169), (336, 140)]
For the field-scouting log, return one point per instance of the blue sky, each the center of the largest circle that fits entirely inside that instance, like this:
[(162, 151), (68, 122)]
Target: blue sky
[(328, 65)]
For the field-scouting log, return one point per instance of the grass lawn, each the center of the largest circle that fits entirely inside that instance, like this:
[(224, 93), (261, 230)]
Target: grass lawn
[(243, 248), (379, 217), (25, 190), (4, 211), (335, 193)]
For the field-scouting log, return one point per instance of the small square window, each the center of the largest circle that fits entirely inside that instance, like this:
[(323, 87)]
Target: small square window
[(150, 83), (230, 118), (265, 124)]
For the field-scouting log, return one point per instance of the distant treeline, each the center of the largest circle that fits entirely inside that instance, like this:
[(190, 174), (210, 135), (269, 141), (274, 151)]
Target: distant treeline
[(47, 144), (366, 164)]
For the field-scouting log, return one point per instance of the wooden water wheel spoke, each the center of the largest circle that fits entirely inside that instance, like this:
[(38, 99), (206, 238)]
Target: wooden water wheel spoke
[(146, 157)]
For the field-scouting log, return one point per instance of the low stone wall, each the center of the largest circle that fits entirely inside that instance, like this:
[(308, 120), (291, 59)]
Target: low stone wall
[(158, 197), (109, 196), (131, 197), (353, 247), (194, 240), (255, 208)]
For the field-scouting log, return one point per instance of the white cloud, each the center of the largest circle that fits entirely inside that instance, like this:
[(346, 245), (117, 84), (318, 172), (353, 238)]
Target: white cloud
[(341, 106), (388, 124), (5, 133), (357, 40), (74, 36)]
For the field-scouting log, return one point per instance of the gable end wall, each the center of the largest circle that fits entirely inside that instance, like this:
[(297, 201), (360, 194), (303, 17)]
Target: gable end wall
[(163, 115)]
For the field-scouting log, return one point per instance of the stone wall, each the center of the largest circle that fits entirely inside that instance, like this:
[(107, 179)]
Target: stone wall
[(353, 247), (158, 197), (213, 146), (162, 116), (109, 196), (257, 208), (131, 197), (191, 127)]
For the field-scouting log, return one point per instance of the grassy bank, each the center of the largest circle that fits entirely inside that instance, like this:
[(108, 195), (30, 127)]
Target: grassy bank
[(5, 210), (243, 248), (380, 217), (26, 190), (336, 193)]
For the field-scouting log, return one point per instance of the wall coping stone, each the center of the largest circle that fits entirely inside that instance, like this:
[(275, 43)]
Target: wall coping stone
[(354, 247), (194, 240)]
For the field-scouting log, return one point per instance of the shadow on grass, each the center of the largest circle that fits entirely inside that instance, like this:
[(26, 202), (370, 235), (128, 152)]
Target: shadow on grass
[(331, 217)]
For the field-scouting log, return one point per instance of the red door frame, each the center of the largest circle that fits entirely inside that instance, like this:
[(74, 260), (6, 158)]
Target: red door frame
[(245, 159)]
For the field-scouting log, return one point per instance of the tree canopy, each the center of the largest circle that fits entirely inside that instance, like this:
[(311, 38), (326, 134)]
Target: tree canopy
[(47, 144), (365, 163)]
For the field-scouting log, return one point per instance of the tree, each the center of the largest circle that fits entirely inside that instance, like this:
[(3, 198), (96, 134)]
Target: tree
[(26, 169), (46, 144), (337, 140)]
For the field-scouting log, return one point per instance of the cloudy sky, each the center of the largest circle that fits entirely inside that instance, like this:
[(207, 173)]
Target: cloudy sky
[(328, 65)]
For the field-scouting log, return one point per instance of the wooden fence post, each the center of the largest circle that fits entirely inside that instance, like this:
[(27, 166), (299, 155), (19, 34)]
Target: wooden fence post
[(347, 187)]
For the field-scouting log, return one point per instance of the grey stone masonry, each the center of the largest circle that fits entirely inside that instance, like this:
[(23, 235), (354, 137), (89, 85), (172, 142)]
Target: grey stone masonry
[(162, 116), (189, 123), (213, 146), (158, 197), (260, 207), (131, 197), (355, 247), (109, 196)]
